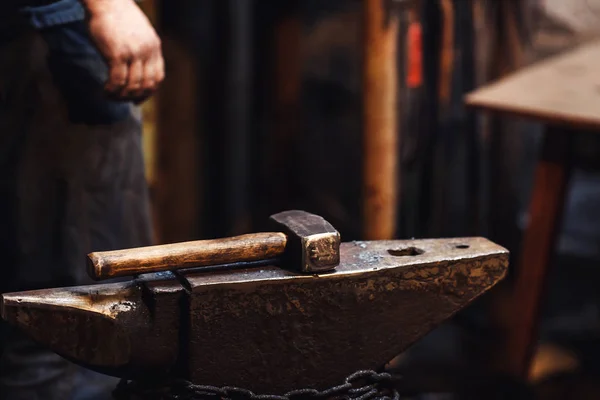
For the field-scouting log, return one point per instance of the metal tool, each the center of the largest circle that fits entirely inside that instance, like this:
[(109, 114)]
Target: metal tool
[(306, 243), (267, 329)]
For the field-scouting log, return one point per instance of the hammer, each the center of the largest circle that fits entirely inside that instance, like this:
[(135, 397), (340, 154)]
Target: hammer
[(306, 243)]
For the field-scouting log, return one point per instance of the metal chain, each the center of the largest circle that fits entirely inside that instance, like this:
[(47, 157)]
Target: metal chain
[(361, 385)]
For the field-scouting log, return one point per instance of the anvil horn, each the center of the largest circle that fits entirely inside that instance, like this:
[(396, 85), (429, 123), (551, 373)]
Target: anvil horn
[(266, 329), (123, 329)]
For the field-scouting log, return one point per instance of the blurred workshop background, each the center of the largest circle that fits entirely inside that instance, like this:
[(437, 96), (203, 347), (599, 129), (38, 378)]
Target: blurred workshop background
[(354, 109)]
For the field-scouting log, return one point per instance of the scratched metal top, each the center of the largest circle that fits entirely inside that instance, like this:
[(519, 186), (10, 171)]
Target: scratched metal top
[(359, 257)]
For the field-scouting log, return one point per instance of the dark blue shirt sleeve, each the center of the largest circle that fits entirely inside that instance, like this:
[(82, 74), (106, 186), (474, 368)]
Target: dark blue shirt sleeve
[(57, 13)]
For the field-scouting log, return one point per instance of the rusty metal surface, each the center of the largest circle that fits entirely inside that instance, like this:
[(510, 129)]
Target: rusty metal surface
[(266, 329)]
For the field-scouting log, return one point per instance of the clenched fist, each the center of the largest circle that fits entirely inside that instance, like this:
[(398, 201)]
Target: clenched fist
[(131, 47)]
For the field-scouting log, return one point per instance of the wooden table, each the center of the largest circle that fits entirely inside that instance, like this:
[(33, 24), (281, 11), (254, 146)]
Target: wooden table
[(562, 92)]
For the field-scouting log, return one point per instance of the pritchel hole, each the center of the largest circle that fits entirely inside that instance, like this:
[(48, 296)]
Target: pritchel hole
[(409, 251), (462, 246)]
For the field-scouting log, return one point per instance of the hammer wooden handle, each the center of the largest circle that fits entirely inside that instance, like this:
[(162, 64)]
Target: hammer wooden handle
[(244, 248)]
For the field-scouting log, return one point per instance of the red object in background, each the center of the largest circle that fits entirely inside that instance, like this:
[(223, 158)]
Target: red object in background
[(414, 72)]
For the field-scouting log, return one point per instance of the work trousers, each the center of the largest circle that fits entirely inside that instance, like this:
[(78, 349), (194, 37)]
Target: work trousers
[(71, 182)]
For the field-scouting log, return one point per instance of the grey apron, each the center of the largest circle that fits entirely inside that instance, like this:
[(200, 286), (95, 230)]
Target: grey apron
[(71, 181)]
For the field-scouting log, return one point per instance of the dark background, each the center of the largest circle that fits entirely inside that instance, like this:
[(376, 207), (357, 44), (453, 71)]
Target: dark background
[(261, 111)]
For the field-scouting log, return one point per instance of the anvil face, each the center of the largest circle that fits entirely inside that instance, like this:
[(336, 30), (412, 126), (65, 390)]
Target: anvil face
[(266, 329)]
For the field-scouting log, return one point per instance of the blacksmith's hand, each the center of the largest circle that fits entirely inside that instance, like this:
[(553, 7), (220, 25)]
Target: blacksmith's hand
[(130, 45)]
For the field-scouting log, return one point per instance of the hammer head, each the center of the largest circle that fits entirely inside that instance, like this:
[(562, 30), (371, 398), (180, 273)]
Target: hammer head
[(313, 244)]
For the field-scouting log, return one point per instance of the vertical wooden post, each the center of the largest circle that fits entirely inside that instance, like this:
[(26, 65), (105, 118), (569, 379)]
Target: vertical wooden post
[(380, 116)]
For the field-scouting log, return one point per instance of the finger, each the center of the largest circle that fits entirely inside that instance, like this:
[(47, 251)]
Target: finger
[(134, 78), (153, 75), (117, 78), (149, 79), (160, 69), (159, 63)]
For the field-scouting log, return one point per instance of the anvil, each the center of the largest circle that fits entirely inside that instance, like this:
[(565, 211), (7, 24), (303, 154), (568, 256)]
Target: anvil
[(268, 329)]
